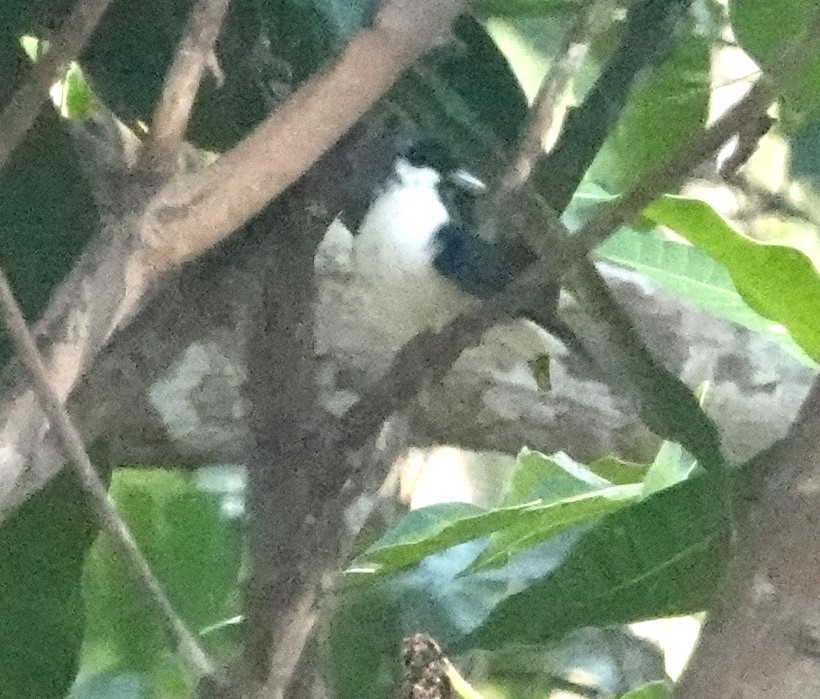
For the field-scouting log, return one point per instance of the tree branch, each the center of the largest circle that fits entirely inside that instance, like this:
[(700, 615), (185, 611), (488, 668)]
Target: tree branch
[(763, 633), (182, 82)]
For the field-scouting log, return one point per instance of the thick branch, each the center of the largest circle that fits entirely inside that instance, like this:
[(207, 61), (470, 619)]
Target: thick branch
[(765, 635)]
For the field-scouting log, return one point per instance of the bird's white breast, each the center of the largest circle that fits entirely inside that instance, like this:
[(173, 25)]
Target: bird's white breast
[(397, 234), (393, 255)]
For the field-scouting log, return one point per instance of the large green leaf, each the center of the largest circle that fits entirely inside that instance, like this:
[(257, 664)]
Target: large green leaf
[(660, 117), (42, 548), (439, 527), (694, 276), (765, 29), (467, 95), (265, 49), (549, 478), (192, 549), (777, 281), (659, 557), (530, 531)]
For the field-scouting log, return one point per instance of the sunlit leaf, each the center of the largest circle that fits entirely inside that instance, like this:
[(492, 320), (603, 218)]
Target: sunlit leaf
[(549, 478), (777, 281), (693, 275), (432, 529), (671, 465), (659, 118), (192, 549)]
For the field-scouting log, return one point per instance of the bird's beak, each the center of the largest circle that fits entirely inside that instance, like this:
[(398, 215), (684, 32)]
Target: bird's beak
[(467, 182)]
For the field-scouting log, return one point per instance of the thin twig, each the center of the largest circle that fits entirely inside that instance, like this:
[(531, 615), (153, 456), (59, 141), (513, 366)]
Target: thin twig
[(25, 104), (182, 81), (107, 514), (552, 91)]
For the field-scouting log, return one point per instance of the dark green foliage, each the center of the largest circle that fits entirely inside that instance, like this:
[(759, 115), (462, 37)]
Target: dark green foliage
[(265, 48), (661, 557), (47, 215), (42, 620)]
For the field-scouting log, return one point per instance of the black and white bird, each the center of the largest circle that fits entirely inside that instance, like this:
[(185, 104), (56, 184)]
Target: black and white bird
[(419, 248)]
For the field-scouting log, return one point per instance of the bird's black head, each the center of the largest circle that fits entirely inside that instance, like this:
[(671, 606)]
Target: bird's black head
[(429, 152)]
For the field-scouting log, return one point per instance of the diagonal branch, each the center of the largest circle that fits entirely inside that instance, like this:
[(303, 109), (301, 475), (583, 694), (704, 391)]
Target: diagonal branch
[(545, 109), (107, 515), (763, 632), (24, 106), (182, 82)]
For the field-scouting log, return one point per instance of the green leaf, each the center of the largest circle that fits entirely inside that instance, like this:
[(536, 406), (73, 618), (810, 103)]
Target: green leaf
[(617, 471), (431, 529), (693, 275), (361, 643), (192, 549), (33, 47), (765, 29), (671, 465), (777, 281), (660, 117), (653, 690), (660, 557), (544, 522), (76, 98), (549, 479), (427, 530)]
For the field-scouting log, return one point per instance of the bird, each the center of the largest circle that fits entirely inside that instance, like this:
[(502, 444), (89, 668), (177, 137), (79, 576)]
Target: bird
[(421, 249)]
